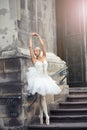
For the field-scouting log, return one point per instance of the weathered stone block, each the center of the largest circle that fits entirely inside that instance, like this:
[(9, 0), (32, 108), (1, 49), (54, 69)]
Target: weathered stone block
[(12, 64), (1, 66), (13, 88), (9, 77), (3, 111), (8, 122), (12, 77), (10, 70), (9, 53)]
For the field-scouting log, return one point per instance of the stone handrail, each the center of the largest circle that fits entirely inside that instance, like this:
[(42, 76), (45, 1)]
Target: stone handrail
[(62, 72)]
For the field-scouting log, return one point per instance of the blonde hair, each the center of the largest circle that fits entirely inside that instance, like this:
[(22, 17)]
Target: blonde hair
[(41, 53), (38, 48)]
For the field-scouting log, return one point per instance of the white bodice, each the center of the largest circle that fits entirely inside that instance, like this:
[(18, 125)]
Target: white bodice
[(41, 67)]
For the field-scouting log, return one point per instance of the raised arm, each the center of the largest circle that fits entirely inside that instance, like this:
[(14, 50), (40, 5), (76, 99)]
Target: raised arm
[(43, 45), (31, 49)]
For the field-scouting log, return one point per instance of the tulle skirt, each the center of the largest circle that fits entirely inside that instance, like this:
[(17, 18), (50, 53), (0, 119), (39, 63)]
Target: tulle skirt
[(41, 83)]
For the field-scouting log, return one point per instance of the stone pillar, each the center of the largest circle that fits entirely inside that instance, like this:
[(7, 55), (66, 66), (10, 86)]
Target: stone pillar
[(40, 18), (20, 18)]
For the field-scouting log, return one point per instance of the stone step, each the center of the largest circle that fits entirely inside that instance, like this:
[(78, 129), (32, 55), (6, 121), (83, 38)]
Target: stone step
[(62, 112), (68, 105), (69, 115), (78, 88), (77, 98), (59, 126), (77, 91), (68, 119), (65, 119)]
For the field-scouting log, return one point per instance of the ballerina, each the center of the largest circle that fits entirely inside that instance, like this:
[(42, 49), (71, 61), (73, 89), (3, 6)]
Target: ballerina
[(38, 79)]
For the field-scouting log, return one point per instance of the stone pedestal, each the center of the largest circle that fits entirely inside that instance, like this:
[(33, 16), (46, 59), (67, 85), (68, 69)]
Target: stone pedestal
[(11, 92)]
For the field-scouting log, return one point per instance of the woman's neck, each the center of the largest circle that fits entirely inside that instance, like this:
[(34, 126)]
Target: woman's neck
[(38, 57)]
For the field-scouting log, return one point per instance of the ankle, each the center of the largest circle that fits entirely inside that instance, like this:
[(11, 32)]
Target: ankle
[(41, 119), (47, 120)]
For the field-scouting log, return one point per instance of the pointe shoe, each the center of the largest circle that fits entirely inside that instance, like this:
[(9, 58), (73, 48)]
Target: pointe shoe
[(41, 120), (47, 120)]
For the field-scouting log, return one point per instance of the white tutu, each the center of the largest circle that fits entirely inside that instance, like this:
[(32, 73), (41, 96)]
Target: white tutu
[(39, 81)]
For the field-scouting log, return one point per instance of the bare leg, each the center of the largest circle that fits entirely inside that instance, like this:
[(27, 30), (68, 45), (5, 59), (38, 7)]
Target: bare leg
[(41, 111), (44, 106)]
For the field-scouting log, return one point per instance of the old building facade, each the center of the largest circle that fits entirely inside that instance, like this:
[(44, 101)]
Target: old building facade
[(18, 18)]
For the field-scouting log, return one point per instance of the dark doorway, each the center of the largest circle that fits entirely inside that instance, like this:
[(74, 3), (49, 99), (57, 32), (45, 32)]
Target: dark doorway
[(71, 38)]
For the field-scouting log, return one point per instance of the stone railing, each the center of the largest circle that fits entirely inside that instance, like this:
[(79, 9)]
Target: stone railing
[(61, 73)]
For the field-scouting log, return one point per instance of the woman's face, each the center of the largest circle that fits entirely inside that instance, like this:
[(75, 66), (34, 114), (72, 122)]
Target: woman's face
[(36, 52)]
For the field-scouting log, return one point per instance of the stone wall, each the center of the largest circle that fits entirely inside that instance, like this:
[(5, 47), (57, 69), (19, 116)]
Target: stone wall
[(8, 24)]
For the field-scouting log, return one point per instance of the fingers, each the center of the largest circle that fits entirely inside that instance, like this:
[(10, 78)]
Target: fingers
[(34, 34)]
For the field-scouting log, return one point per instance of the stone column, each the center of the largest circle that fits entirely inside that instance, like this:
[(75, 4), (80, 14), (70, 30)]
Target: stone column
[(40, 19)]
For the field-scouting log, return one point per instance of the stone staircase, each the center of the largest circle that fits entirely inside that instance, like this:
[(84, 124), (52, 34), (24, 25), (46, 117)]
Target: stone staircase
[(68, 115)]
